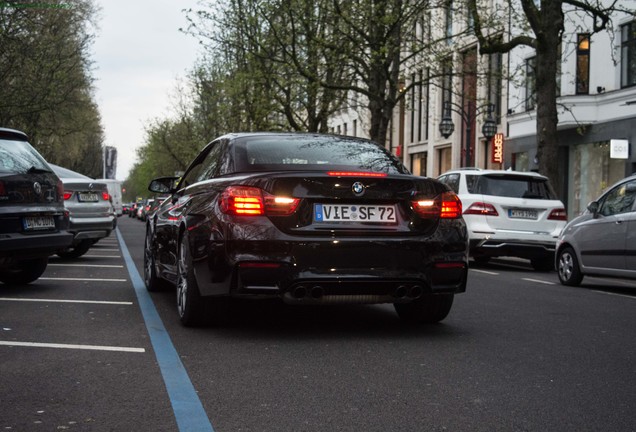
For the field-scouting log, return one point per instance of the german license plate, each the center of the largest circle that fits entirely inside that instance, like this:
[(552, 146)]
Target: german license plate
[(35, 223), (355, 213), (523, 214), (88, 197)]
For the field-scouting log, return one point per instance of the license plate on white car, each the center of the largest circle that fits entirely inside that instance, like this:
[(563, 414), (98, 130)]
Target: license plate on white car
[(523, 214), (88, 197), (35, 223), (355, 213)]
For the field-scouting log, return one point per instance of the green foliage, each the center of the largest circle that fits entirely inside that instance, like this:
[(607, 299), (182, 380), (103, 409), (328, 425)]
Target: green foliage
[(45, 82)]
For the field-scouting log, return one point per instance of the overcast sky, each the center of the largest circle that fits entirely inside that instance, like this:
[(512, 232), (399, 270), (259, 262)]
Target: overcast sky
[(139, 57)]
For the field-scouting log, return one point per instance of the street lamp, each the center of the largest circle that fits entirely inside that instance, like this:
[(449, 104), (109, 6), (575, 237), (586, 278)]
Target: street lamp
[(446, 126)]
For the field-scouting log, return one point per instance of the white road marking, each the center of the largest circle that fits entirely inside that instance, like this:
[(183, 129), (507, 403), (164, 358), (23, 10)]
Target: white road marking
[(615, 294), (65, 301), (84, 279), (71, 346), (538, 281), (87, 265), (102, 256), (485, 272), (105, 250)]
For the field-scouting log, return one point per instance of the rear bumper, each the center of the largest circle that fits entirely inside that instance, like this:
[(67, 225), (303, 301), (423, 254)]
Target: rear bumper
[(513, 248), (91, 228), (333, 271), (33, 245)]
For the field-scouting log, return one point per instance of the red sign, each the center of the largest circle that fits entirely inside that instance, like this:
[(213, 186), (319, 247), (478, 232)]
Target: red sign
[(497, 148)]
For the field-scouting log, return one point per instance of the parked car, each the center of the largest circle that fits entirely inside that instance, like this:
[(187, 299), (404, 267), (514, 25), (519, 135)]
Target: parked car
[(309, 219), (509, 213), (155, 205), (602, 240), (92, 216), (33, 220), (145, 208)]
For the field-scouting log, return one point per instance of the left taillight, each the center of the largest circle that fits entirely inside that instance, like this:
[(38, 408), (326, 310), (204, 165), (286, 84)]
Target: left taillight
[(558, 214), (105, 196), (67, 195), (445, 206), (252, 201)]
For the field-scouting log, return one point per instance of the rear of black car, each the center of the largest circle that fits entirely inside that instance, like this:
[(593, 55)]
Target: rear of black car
[(315, 219), (33, 221)]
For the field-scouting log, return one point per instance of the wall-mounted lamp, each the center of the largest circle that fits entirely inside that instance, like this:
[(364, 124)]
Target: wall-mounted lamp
[(510, 111), (600, 89)]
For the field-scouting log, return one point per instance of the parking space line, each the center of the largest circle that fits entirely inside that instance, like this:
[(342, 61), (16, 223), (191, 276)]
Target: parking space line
[(614, 294), (485, 272), (87, 265), (84, 279), (105, 249), (186, 405), (71, 346), (102, 256), (65, 301), (538, 281)]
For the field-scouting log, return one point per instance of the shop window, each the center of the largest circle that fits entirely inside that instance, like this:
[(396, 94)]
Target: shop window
[(520, 161), (418, 164), (444, 159)]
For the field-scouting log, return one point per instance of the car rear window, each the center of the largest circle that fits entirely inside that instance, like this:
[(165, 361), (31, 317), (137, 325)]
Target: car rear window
[(510, 186), (289, 153), (19, 157)]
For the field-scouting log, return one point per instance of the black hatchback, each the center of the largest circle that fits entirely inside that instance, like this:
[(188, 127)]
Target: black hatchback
[(33, 221), (309, 219)]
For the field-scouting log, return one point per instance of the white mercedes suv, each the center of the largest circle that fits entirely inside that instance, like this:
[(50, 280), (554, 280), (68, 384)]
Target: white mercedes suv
[(509, 213)]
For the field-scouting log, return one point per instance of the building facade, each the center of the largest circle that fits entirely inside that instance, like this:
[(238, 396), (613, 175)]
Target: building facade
[(596, 106)]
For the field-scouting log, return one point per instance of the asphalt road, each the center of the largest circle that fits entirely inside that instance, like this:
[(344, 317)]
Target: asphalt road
[(519, 352)]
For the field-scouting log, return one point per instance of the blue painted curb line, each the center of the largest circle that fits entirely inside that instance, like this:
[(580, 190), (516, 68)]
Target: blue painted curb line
[(188, 410)]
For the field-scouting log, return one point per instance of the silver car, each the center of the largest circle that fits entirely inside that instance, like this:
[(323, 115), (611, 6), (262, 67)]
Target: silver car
[(92, 216), (602, 240)]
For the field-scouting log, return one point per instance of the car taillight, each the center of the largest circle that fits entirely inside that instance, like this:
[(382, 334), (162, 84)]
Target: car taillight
[(67, 195), (558, 214), (252, 201), (3, 191), (445, 206), (105, 196), (481, 208)]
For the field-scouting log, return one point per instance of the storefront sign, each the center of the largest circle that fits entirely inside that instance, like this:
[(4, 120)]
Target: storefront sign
[(497, 148), (619, 149)]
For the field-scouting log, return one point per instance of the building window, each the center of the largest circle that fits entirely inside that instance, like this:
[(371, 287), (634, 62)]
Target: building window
[(344, 127), (444, 159), (418, 164), (412, 107), (531, 84), (495, 83), (355, 128), (520, 161), (449, 20), (583, 64), (422, 101), (447, 82), (628, 54)]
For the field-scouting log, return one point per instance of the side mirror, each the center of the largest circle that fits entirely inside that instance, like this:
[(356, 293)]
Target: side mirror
[(593, 207), (163, 185)]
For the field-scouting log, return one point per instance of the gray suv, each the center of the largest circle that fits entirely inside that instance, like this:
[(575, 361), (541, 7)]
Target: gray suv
[(33, 220)]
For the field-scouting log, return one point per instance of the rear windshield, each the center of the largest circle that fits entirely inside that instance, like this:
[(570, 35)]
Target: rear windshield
[(18, 157), (510, 186), (289, 153)]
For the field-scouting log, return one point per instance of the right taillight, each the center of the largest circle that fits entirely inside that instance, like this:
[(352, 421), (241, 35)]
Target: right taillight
[(445, 206), (558, 214), (481, 208)]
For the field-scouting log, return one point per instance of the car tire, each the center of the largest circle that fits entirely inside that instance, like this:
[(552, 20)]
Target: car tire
[(24, 272), (76, 251), (429, 309), (568, 267), (152, 281), (189, 301), (544, 264)]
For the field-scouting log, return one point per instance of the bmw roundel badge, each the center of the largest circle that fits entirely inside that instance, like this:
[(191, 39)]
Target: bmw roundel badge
[(357, 188)]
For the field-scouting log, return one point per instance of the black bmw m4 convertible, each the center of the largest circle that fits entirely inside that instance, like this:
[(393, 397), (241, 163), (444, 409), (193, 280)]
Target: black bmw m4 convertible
[(308, 219)]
